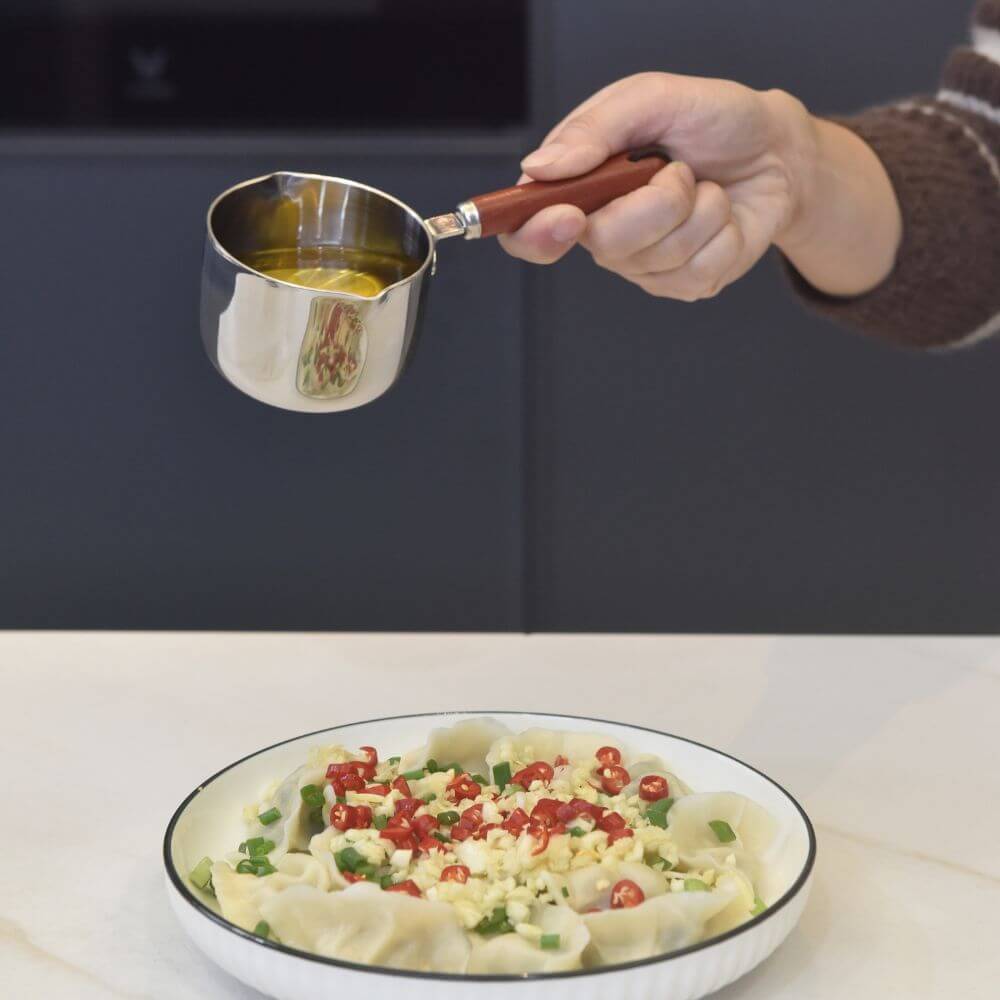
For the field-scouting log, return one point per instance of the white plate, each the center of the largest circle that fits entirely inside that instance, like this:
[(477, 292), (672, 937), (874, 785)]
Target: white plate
[(209, 822)]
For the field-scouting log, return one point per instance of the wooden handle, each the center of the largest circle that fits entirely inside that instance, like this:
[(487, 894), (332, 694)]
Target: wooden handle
[(508, 209)]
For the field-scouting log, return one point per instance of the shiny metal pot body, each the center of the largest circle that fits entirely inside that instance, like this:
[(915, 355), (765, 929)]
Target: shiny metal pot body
[(301, 348)]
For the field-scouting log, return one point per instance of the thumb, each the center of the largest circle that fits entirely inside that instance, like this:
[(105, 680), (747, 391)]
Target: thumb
[(634, 112)]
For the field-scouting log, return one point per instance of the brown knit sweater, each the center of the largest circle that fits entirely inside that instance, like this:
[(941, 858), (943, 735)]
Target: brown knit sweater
[(943, 156)]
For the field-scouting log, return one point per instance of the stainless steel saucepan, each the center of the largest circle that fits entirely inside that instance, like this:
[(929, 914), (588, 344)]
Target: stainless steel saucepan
[(318, 350)]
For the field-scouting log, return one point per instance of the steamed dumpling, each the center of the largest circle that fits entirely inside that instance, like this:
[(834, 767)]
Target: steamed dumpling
[(697, 843), (292, 831), (240, 895), (364, 924), (512, 953), (591, 886), (664, 923), (547, 744), (464, 743)]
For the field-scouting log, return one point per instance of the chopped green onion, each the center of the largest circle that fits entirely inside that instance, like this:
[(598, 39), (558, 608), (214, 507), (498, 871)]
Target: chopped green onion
[(722, 830), (348, 859), (258, 847), (496, 923), (549, 942), (342, 799), (255, 866), (759, 906), (448, 818), (501, 775), (432, 766), (662, 864), (394, 760), (366, 869), (201, 875), (577, 831), (414, 775), (440, 835), (565, 892), (381, 822), (262, 929), (385, 881), (695, 885), (312, 796), (657, 812), (270, 816), (454, 766), (479, 779), (429, 797)]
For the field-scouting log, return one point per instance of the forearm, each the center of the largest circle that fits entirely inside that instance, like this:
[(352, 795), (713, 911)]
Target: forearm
[(846, 227)]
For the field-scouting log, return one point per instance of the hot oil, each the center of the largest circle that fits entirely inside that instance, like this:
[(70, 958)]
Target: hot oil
[(333, 269)]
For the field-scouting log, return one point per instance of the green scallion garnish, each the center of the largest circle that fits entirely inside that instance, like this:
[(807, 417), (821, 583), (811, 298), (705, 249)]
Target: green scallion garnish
[(258, 847), (429, 797), (565, 892), (448, 818), (441, 835), (201, 875), (394, 760), (348, 859), (262, 929), (366, 869), (577, 831), (662, 864), (495, 923), (501, 775), (381, 822), (479, 779), (695, 885), (657, 812), (312, 796), (414, 775), (454, 766), (759, 906), (722, 830), (385, 881), (432, 766), (549, 942), (255, 866), (269, 816)]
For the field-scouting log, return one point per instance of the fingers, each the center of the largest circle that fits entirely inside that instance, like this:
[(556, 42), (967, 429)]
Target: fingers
[(547, 236), (634, 112), (629, 225)]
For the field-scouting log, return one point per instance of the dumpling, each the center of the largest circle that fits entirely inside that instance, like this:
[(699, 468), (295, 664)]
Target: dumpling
[(240, 895), (547, 744), (591, 886), (699, 846), (319, 848), (464, 743), (364, 924), (738, 911), (512, 953), (647, 764), (293, 830), (664, 923)]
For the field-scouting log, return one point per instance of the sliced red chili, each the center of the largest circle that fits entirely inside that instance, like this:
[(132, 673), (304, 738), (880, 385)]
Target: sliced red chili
[(371, 754), (460, 833), (338, 788), (401, 785), (352, 782), (611, 821), (516, 822), (398, 834), (409, 887), (455, 873), (463, 787), (376, 790), (613, 779), (538, 771), (424, 824), (561, 761), (472, 817), (626, 894), (362, 817), (342, 817), (480, 834), (652, 788), (351, 877), (546, 811), (540, 832), (617, 835), (609, 756), (407, 807), (428, 844)]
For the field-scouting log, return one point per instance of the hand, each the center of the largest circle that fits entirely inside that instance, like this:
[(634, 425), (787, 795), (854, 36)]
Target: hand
[(748, 171)]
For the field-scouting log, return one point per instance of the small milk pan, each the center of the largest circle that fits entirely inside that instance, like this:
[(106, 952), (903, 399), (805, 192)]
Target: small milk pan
[(321, 351)]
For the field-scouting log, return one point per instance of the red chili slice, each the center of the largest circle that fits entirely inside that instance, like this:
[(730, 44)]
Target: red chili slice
[(352, 782), (613, 779), (371, 754), (401, 785), (463, 787), (338, 788), (538, 771), (472, 817), (611, 821), (407, 807), (399, 835), (455, 873), (608, 756), (424, 824), (362, 817), (480, 834), (546, 811), (342, 817), (428, 844), (616, 835), (626, 894), (561, 761), (541, 833), (653, 787), (516, 822), (460, 833), (351, 877), (377, 790), (409, 887)]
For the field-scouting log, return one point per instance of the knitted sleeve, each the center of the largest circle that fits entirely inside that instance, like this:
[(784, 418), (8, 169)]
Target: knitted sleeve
[(943, 157)]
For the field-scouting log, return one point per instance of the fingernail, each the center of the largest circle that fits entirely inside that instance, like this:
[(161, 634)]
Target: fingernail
[(544, 156), (565, 230)]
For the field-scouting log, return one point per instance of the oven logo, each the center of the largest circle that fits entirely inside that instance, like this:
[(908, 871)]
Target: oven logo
[(149, 82)]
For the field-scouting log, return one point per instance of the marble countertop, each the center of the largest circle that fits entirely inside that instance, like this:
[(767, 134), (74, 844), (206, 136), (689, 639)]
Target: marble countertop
[(890, 744)]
